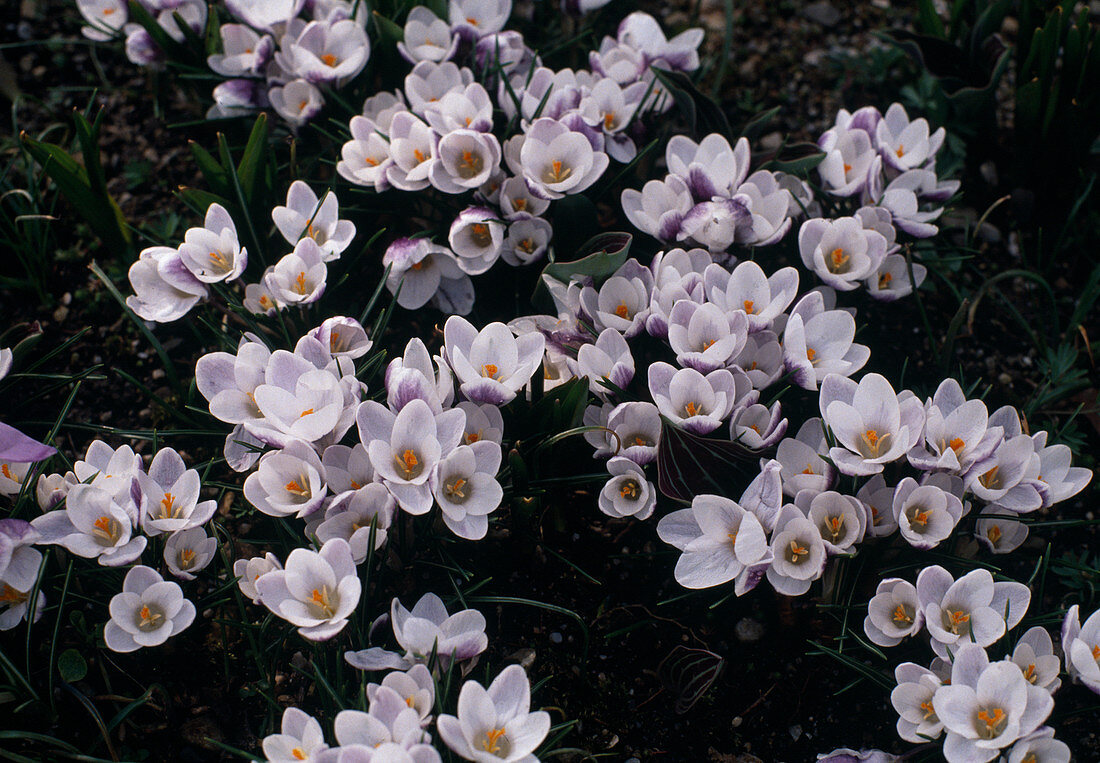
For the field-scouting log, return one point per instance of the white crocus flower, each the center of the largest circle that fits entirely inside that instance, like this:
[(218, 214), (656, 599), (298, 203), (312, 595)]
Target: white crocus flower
[(798, 551), (1039, 746), (902, 198), (1034, 655), (956, 433), (259, 299), (801, 463), (246, 52), (710, 168), (476, 236), (839, 518), (427, 629), (427, 37), (415, 375), (768, 204), (749, 291), (904, 144), (848, 159), (495, 724), (873, 425), (465, 486), (164, 289), (622, 302), (300, 739), (891, 281), (841, 252), (148, 612), (405, 448), (112, 470), (344, 337), (188, 551), (720, 541), (299, 401), (758, 427), (1060, 480), (761, 358), (517, 201), (1081, 645), (527, 241), (356, 516), (365, 159), (641, 31), (105, 18), (608, 359), (696, 402), (391, 723), (320, 52), (716, 224), (557, 161), (169, 496), (986, 706), (972, 608), (248, 571), (659, 208), (93, 525), (228, 382), (316, 591), (212, 252), (298, 101), (925, 514), (610, 108), (817, 341), (628, 493), (415, 686), (288, 482), (705, 337), (633, 430), (677, 275), (912, 699), (19, 568), (492, 365), (469, 108), (1000, 530), (429, 81), (893, 613), (299, 278), (467, 159), (878, 499), (305, 215), (1008, 477), (477, 18), (483, 422)]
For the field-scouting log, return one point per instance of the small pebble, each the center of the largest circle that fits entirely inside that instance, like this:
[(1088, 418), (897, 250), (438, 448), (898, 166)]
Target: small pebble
[(555, 638), (748, 630), (795, 732)]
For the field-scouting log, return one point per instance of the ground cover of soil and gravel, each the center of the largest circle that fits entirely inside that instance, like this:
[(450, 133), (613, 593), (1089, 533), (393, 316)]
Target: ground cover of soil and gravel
[(772, 701)]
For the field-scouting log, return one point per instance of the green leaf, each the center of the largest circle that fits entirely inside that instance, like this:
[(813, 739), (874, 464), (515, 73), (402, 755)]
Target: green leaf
[(756, 126), (255, 153), (216, 176), (71, 666), (600, 256), (704, 116), (689, 465), (388, 30)]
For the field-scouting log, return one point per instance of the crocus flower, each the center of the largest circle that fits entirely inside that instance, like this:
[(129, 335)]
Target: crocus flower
[(93, 525), (492, 365), (365, 159), (622, 301), (19, 566), (957, 432), (1060, 480), (476, 18), (316, 591), (758, 427), (301, 738), (527, 241), (476, 236), (320, 52), (414, 686), (703, 336), (710, 168), (696, 402), (768, 204), (1081, 645), (357, 516), (557, 161), (483, 422), (633, 431), (1000, 530), (288, 482), (1040, 746), (817, 341), (105, 18), (390, 722), (246, 52), (148, 612), (848, 158), (872, 424), (848, 755), (1009, 476), (298, 101), (841, 252), (607, 359), (495, 724), (912, 699), (904, 144), (212, 252), (305, 215), (925, 514), (893, 613), (761, 359), (228, 382), (404, 448), (987, 706), (299, 278), (465, 486), (892, 281), (761, 299), (800, 460), (248, 571), (188, 551), (798, 552), (164, 289), (169, 496), (659, 208), (425, 630), (720, 541), (427, 37), (1034, 655), (413, 376), (421, 269), (628, 493), (878, 499), (972, 608), (299, 401), (839, 518)]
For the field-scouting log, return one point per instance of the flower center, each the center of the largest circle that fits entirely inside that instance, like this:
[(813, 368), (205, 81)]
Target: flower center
[(479, 232), (958, 622), (838, 260), (992, 722), (623, 311), (489, 371), (300, 489), (168, 509), (219, 259), (187, 559), (7, 472), (811, 354), (300, 283), (10, 596), (494, 739), (298, 753), (749, 306), (994, 534), (471, 164), (321, 599), (106, 531), (609, 120), (456, 489), (1030, 673), (884, 281), (556, 172), (929, 711), (834, 526), (329, 59), (918, 517), (900, 152), (630, 490), (901, 614), (408, 463), (990, 480), (149, 618), (795, 552), (420, 157), (691, 409), (872, 443), (519, 205)]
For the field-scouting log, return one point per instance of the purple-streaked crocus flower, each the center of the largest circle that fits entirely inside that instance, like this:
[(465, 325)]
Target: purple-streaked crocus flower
[(168, 496), (93, 525), (769, 209), (972, 608), (476, 236), (696, 402), (925, 514), (356, 516), (414, 686), (987, 706), (711, 167), (802, 467), (799, 553), (705, 337), (1009, 476), (299, 278), (496, 723), (19, 567), (1000, 530), (912, 699), (634, 429), (316, 591), (902, 199), (164, 289), (1061, 481), (298, 101), (492, 365), (306, 215), (720, 541), (246, 52), (413, 376), (749, 291), (320, 52), (557, 161), (957, 432), (212, 252), (893, 613), (878, 500), (716, 224), (622, 301), (841, 252), (761, 358), (817, 341), (905, 144), (758, 427), (659, 208), (421, 269), (849, 155), (527, 241), (427, 37), (642, 32), (873, 425), (425, 630), (288, 482), (467, 159), (677, 276), (1081, 645), (609, 359)]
